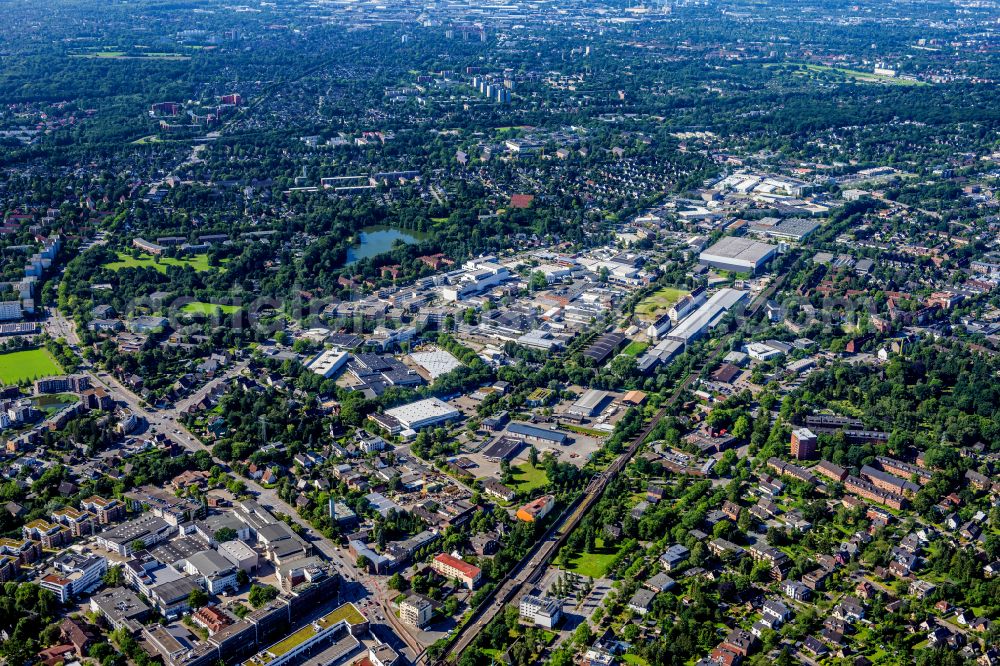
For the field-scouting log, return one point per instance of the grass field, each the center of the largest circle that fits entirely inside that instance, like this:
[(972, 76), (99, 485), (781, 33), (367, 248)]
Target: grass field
[(594, 564), (27, 365), (635, 348), (590, 432), (634, 660), (527, 478), (659, 301), (200, 307), (198, 262)]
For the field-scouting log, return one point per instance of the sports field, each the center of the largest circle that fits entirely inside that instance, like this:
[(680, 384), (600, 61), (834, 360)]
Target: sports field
[(198, 262), (27, 365), (659, 301)]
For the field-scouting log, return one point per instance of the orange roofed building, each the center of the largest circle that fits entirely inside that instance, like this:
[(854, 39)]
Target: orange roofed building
[(450, 566), (536, 509)]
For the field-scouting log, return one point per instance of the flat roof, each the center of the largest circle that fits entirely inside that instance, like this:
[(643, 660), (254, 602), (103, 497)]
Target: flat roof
[(534, 431), (504, 448), (348, 612), (795, 227), (591, 399), (422, 411), (436, 363), (737, 248), (601, 348), (696, 322)]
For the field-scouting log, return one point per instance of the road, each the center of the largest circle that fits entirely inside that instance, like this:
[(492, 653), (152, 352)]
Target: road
[(358, 585), (532, 568)]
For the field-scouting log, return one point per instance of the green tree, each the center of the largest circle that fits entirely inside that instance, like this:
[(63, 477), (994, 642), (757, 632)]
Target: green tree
[(224, 534), (197, 598), (261, 594), (114, 576)]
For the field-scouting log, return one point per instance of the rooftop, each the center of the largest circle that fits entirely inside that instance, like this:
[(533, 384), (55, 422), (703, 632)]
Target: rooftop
[(346, 613), (743, 249)]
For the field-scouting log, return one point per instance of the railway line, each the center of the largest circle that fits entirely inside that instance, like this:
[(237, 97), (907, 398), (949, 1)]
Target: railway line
[(530, 569)]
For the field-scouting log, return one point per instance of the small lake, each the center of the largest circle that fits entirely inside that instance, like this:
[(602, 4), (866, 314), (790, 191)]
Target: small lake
[(376, 240)]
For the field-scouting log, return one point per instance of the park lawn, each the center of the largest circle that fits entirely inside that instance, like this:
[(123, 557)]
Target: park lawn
[(526, 478), (659, 301), (27, 365), (201, 307), (635, 348), (594, 564), (199, 262)]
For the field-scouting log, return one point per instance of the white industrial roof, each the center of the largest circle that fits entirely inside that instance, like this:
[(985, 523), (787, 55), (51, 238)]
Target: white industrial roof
[(421, 411), (739, 249), (436, 363), (327, 362), (696, 322)]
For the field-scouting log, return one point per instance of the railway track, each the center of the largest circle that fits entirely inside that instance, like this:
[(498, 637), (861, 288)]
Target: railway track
[(527, 572)]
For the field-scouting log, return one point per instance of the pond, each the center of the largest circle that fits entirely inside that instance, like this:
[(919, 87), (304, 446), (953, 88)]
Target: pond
[(373, 241)]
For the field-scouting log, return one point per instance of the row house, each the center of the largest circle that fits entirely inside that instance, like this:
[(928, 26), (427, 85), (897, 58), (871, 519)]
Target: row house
[(862, 488)]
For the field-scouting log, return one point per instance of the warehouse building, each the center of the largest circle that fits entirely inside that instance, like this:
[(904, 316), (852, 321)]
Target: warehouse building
[(793, 229), (707, 316), (423, 413), (329, 362), (530, 433), (740, 255), (591, 403)]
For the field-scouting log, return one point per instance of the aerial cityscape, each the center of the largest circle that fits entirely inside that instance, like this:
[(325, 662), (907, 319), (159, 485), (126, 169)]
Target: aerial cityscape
[(601, 332)]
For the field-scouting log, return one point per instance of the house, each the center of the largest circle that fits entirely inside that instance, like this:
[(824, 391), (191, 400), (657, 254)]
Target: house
[(498, 490), (741, 642), (849, 609), (776, 611), (674, 556), (660, 582), (816, 579), (814, 646), (642, 601), (80, 634), (536, 509), (795, 590)]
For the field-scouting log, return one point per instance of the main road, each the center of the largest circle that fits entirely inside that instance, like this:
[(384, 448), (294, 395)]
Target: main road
[(167, 421)]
